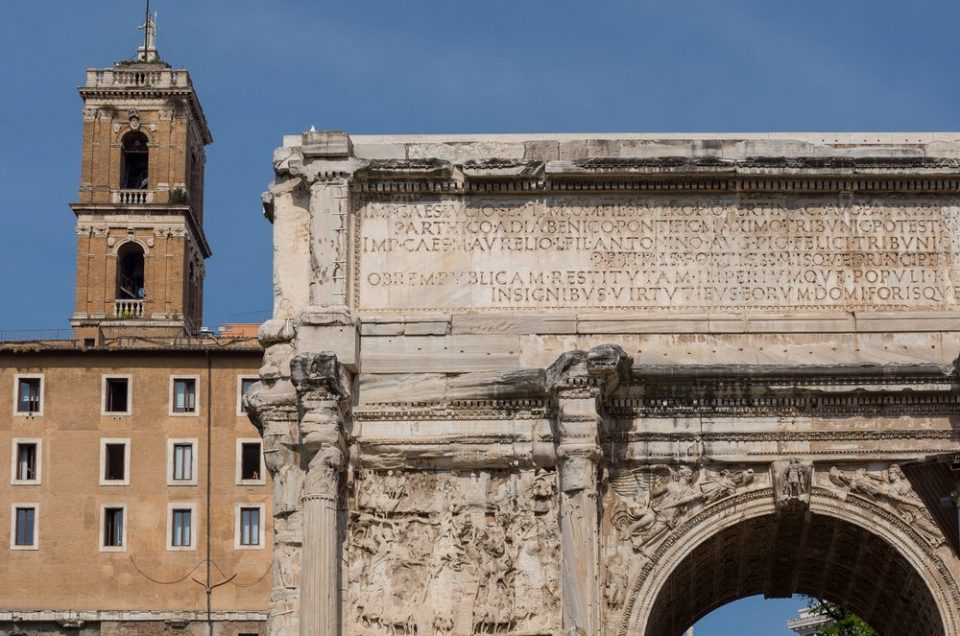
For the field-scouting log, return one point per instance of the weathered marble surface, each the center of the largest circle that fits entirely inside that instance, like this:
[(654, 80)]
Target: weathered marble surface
[(570, 385)]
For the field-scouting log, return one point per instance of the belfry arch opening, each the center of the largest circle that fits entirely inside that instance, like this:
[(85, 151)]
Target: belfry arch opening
[(130, 272), (134, 161), (811, 554)]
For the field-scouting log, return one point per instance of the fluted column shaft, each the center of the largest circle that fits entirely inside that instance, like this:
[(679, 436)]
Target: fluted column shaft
[(323, 390), (320, 567)]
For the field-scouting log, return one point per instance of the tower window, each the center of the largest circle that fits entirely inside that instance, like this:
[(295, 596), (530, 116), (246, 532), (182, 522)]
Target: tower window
[(113, 533), (250, 468), (250, 526), (134, 160), (24, 526), (130, 272), (183, 398), (29, 395), (26, 464), (116, 396), (183, 462), (114, 461), (181, 530)]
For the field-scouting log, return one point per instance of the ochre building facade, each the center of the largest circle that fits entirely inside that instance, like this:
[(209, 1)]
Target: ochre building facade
[(588, 384), (135, 494)]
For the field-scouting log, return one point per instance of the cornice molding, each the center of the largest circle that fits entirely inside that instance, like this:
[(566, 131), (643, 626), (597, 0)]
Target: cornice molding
[(808, 175)]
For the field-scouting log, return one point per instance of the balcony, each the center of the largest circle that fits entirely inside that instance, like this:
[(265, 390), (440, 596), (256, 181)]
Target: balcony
[(128, 309), (137, 77), (131, 197)]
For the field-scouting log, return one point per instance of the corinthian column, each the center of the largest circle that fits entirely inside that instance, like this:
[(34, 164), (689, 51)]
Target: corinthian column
[(580, 380), (323, 388)]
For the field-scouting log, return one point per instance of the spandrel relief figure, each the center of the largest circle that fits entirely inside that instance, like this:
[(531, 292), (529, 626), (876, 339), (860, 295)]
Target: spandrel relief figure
[(892, 487), (615, 583), (650, 501), (724, 484)]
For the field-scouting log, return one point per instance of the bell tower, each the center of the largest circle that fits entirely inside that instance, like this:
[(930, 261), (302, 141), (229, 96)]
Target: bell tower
[(140, 240)]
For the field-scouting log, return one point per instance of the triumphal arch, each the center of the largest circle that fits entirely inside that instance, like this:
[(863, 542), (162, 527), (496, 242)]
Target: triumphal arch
[(600, 385)]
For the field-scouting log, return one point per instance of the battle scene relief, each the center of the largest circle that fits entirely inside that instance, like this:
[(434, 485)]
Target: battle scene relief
[(453, 553)]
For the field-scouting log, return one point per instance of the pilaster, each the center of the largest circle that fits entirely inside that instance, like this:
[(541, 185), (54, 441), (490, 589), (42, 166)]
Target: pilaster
[(580, 380)]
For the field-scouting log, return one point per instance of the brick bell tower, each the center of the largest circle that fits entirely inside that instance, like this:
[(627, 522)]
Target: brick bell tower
[(140, 241)]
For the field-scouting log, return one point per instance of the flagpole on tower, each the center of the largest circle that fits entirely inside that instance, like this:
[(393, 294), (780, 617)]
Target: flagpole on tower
[(146, 33)]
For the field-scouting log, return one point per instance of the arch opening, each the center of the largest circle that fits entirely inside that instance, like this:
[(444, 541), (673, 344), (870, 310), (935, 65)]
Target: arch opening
[(130, 272), (812, 554), (134, 161)]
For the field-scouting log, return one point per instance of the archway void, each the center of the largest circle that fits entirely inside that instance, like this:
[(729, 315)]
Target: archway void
[(811, 554)]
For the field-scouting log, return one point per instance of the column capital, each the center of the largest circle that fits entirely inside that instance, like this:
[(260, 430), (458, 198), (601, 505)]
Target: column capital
[(593, 373), (320, 376)]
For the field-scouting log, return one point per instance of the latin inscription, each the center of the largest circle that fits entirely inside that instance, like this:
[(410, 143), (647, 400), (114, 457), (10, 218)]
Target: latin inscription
[(619, 253)]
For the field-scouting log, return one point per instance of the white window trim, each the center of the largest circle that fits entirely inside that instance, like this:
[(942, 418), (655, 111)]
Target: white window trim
[(103, 521), (103, 393), (194, 525), (196, 384), (171, 442), (239, 476), (13, 461), (16, 393), (240, 379), (237, 534), (127, 460), (36, 526)]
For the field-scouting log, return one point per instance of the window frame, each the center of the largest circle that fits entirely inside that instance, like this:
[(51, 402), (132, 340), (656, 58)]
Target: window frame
[(172, 442), (240, 379), (36, 526), (127, 460), (103, 523), (38, 460), (239, 472), (196, 387), (17, 377), (103, 394), (238, 527), (194, 525)]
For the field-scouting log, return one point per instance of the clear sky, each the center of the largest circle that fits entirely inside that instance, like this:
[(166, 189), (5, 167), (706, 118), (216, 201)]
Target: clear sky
[(263, 69), (266, 68)]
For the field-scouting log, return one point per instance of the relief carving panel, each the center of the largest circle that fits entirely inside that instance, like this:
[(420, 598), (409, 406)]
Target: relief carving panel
[(453, 553), (652, 254)]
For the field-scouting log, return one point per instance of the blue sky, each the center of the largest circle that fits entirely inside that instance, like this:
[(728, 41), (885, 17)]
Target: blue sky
[(263, 69)]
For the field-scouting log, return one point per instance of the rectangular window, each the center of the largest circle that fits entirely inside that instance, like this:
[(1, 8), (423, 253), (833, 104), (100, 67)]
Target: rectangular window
[(116, 398), (112, 527), (26, 466), (243, 386), (182, 462), (28, 395), (115, 462), (184, 395), (180, 530), (25, 526), (249, 526), (250, 461)]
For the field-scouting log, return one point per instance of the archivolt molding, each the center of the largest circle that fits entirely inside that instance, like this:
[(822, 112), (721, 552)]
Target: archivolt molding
[(646, 584), (905, 539)]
